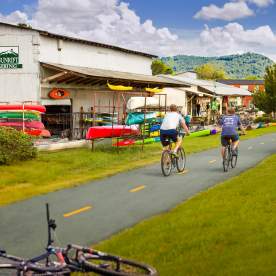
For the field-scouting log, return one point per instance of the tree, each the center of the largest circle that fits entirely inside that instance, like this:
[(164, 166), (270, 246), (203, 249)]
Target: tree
[(266, 101), (158, 67), (209, 71), (24, 25), (251, 77)]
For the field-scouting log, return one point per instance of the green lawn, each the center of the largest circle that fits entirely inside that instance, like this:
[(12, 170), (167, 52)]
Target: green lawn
[(227, 230), (56, 170)]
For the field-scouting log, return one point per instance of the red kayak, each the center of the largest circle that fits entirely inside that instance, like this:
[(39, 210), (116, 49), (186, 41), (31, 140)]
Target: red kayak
[(109, 132), (39, 108), (32, 124), (124, 143), (38, 132)]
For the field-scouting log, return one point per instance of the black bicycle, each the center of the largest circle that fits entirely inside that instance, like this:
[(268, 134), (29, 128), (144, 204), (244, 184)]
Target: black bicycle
[(229, 158), (170, 161), (73, 258)]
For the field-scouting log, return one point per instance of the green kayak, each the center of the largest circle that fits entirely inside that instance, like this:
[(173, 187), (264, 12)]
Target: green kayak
[(19, 115)]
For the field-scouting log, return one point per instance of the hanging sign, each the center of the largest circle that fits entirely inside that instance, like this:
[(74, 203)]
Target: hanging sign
[(59, 93), (9, 57)]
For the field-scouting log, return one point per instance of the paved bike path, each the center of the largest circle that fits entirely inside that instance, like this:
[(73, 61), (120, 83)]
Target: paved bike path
[(119, 201)]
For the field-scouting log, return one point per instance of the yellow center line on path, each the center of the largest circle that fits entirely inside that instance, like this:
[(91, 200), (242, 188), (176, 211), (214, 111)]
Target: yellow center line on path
[(262, 143), (184, 172), (212, 161), (137, 189), (86, 208)]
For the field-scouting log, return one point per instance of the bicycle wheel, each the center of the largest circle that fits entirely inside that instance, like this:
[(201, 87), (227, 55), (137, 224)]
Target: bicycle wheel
[(226, 159), (32, 270), (166, 163), (105, 264), (181, 160), (234, 160)]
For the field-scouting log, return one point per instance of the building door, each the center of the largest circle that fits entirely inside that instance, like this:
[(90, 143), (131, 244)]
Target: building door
[(58, 120)]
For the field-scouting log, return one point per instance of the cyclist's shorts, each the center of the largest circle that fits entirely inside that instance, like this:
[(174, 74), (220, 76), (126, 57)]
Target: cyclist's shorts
[(168, 135), (226, 138)]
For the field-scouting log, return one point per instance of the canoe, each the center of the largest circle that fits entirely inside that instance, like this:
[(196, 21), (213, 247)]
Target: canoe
[(119, 87), (109, 131), (157, 139), (39, 108), (146, 141), (19, 115), (155, 128), (140, 102), (155, 134), (139, 118), (38, 132), (124, 143), (32, 124), (204, 132)]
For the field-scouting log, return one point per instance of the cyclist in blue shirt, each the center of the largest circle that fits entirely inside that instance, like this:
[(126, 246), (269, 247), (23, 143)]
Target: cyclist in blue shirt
[(229, 124)]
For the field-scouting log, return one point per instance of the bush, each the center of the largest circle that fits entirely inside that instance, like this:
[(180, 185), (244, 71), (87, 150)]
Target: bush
[(15, 146), (264, 119)]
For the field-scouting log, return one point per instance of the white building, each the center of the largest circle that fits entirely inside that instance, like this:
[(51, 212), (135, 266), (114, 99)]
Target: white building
[(200, 91), (33, 62)]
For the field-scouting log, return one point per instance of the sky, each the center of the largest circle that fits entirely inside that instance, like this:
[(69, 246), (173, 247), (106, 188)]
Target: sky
[(164, 28)]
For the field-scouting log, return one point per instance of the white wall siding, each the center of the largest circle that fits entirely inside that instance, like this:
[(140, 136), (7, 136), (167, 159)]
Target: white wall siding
[(21, 84), (78, 54), (175, 96)]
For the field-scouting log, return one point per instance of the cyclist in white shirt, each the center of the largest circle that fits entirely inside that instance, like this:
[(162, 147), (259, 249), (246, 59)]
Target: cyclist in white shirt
[(168, 130)]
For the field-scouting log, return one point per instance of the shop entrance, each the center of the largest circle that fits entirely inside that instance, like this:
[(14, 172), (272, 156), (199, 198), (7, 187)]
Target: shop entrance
[(58, 120)]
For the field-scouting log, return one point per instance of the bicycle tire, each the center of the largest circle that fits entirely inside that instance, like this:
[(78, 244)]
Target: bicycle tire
[(181, 160), (34, 270), (234, 160), (110, 265), (166, 163), (226, 159)]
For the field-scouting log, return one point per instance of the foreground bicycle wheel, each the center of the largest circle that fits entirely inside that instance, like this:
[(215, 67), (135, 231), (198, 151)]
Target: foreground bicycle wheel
[(181, 160), (226, 159), (166, 163), (105, 264)]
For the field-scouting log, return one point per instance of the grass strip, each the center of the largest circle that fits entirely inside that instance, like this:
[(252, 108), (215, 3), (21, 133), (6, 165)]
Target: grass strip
[(52, 171), (229, 229)]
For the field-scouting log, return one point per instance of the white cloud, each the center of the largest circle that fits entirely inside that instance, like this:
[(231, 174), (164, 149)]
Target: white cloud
[(233, 38), (230, 11), (14, 17), (261, 3), (113, 22)]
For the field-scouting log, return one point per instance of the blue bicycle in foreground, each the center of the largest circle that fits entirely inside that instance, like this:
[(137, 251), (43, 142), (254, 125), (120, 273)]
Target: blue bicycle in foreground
[(73, 258)]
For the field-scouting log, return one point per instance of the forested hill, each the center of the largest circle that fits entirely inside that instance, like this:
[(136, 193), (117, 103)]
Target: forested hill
[(235, 66)]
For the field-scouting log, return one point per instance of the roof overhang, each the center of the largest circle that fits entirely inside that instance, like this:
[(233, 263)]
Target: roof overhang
[(66, 74), (210, 87)]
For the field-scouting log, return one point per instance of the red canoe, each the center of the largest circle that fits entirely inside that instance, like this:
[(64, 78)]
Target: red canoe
[(109, 132), (38, 132), (32, 124), (39, 108), (125, 143)]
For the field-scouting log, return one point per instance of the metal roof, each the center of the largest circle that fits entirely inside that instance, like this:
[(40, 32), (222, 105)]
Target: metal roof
[(84, 75), (88, 42), (242, 82), (214, 87)]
